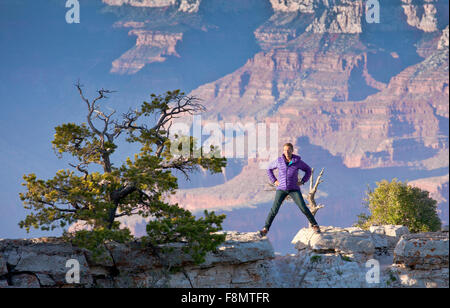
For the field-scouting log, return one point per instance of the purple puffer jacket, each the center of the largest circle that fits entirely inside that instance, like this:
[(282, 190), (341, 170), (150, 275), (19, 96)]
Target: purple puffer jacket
[(288, 175)]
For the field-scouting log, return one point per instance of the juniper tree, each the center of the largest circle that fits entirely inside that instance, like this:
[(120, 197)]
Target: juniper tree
[(137, 187), (398, 203)]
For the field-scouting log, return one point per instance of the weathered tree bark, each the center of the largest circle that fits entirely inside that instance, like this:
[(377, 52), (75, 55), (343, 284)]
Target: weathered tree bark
[(102, 134), (312, 205)]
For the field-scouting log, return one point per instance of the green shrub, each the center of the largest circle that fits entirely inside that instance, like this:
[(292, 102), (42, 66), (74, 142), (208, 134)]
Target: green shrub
[(315, 259), (346, 258), (398, 203)]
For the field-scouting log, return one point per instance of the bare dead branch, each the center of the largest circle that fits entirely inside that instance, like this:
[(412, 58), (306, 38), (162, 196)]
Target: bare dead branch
[(319, 180), (79, 86), (79, 168), (129, 118), (101, 95), (313, 206), (99, 114), (185, 165), (184, 104), (90, 108)]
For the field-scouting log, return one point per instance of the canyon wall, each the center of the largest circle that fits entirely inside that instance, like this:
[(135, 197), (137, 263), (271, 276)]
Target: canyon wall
[(366, 101)]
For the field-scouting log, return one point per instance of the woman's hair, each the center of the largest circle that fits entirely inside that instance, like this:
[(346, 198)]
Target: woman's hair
[(288, 145)]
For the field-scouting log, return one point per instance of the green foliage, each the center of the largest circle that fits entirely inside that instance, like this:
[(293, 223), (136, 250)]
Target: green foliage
[(346, 258), (392, 278), (179, 225), (136, 187), (64, 199), (316, 259), (95, 239), (398, 203)]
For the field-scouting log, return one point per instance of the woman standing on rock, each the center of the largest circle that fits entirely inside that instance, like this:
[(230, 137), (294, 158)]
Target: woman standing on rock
[(288, 165)]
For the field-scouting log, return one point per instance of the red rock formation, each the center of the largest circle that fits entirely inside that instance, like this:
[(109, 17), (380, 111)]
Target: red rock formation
[(373, 133), (426, 20), (443, 40), (314, 78), (190, 6), (151, 46), (141, 3)]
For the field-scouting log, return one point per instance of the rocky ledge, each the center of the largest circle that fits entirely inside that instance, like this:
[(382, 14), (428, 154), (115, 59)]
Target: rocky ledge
[(384, 256)]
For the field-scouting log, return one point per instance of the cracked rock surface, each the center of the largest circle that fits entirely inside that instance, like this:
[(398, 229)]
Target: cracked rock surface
[(383, 256)]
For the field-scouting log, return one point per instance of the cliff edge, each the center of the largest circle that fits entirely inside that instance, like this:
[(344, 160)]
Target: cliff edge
[(384, 256)]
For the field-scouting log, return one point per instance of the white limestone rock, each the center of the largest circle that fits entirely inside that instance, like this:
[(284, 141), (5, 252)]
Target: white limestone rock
[(241, 247), (357, 243), (330, 271), (256, 274), (395, 230), (407, 278), (423, 250), (385, 237), (309, 269)]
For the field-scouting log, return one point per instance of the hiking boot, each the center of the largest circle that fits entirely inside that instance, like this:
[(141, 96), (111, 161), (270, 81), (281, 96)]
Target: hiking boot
[(263, 232), (316, 229)]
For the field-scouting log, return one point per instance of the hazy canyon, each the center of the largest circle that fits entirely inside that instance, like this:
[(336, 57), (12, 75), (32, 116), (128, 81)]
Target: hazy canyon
[(366, 101)]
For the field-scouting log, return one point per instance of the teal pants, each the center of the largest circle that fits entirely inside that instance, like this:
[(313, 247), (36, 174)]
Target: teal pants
[(298, 199)]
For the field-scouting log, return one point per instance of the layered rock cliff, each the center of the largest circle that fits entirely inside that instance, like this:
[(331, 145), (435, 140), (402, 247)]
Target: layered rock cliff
[(422, 14), (358, 94), (160, 25), (385, 256), (154, 44), (443, 41), (352, 95), (190, 6)]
